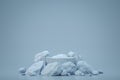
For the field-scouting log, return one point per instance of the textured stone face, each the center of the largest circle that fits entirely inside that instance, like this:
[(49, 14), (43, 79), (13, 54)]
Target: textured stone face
[(50, 69), (59, 65), (60, 60), (84, 67), (35, 68), (69, 67), (41, 56)]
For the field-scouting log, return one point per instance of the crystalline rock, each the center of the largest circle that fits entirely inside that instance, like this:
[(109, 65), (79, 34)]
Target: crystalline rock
[(59, 65)]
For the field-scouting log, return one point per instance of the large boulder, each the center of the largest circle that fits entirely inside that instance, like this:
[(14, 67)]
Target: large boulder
[(84, 67), (41, 56), (35, 68), (51, 69), (68, 68)]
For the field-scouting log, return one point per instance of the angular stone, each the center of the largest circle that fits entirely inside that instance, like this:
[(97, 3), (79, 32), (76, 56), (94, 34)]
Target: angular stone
[(35, 68), (84, 67), (41, 56), (51, 69), (64, 73), (61, 64), (69, 67)]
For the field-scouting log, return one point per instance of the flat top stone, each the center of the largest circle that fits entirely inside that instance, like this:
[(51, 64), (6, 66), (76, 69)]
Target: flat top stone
[(60, 56)]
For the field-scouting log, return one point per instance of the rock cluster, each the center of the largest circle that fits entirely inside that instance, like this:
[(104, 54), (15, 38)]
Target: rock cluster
[(59, 65)]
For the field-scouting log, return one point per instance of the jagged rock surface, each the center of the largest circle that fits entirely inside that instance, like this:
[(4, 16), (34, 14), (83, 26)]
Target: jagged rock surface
[(59, 65), (35, 68)]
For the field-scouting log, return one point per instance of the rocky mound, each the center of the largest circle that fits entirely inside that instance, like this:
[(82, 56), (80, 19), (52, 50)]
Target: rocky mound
[(59, 65)]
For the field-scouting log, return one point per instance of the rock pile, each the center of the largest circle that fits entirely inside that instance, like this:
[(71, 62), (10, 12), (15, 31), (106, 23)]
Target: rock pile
[(59, 65)]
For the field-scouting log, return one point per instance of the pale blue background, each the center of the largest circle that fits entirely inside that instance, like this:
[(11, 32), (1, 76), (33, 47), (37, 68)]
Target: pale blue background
[(88, 27)]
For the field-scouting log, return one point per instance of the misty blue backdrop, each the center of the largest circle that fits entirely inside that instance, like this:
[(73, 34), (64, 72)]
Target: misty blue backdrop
[(88, 27)]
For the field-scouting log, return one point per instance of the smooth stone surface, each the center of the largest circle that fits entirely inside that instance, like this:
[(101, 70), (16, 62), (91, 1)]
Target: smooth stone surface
[(60, 60), (50, 69), (35, 68), (60, 56), (41, 56), (22, 70)]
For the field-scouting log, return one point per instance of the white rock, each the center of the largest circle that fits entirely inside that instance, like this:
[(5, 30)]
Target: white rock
[(94, 72), (64, 73), (51, 69), (76, 56), (35, 68), (60, 60), (22, 70), (71, 54), (69, 67), (60, 56), (31, 74), (84, 67), (61, 64), (40, 56), (79, 73)]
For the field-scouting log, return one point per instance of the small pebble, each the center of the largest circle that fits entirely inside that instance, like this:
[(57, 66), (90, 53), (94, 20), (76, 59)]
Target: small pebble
[(22, 70)]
